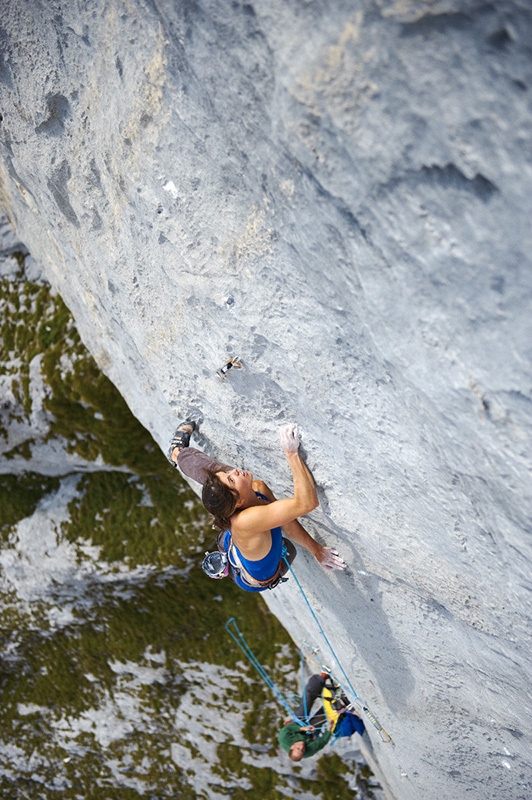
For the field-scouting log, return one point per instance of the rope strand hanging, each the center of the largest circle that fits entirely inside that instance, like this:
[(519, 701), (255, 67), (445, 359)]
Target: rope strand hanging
[(237, 636), (235, 633), (348, 689)]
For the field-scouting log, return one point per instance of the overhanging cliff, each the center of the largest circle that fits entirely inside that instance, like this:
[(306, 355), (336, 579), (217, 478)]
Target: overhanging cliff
[(338, 193)]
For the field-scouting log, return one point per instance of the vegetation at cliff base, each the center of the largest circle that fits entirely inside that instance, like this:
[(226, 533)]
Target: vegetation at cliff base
[(113, 641)]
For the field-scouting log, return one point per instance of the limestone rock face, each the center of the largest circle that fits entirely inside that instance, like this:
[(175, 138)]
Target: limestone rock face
[(340, 194)]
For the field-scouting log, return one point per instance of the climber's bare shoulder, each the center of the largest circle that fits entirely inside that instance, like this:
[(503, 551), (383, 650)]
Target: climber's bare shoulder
[(263, 488)]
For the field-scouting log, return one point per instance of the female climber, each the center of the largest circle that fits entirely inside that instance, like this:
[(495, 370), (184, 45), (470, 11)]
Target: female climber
[(251, 521)]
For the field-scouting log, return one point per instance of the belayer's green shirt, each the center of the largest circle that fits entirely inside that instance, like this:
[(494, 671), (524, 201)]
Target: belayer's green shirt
[(292, 733)]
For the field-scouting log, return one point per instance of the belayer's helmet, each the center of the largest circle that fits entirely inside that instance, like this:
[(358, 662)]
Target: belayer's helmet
[(215, 565)]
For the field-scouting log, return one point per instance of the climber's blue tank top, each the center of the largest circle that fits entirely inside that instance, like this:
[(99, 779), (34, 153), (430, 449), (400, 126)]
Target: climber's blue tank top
[(264, 568)]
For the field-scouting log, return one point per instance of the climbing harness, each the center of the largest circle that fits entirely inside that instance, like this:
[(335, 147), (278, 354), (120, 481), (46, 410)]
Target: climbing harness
[(221, 563), (357, 703), (236, 564), (341, 716)]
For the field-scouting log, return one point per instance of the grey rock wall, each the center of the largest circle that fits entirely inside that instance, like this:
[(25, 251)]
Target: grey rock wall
[(339, 193)]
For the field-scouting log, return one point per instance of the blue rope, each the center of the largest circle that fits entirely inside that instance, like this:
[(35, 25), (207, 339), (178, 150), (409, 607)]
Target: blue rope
[(326, 640), (239, 639), (385, 736), (347, 689)]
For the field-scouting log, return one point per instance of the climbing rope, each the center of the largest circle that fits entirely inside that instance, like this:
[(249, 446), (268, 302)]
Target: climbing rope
[(235, 633), (237, 636), (320, 628), (348, 688)]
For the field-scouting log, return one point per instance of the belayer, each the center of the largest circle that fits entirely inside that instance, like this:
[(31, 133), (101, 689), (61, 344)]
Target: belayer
[(337, 718), (251, 521)]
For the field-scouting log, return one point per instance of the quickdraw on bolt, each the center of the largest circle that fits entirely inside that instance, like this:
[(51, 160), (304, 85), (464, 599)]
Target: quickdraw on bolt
[(233, 362)]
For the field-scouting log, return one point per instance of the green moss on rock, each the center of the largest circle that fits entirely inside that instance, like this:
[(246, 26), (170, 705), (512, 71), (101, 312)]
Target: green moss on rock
[(147, 596), (20, 495)]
